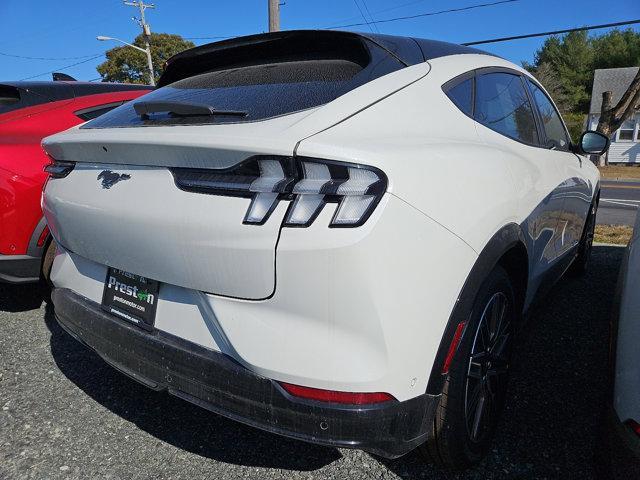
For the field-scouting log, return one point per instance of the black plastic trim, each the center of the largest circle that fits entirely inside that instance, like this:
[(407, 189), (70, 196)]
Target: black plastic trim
[(433, 49), (59, 168), (506, 238), (19, 268), (454, 82), (218, 383)]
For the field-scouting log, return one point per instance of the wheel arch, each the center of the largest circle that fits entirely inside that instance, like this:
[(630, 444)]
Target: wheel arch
[(507, 248)]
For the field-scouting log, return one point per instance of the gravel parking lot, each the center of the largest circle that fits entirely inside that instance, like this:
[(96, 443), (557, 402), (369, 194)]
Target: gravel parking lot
[(66, 414)]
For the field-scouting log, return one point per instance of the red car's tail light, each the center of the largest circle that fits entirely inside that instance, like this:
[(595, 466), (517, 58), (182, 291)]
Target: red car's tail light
[(311, 184), (332, 396), (43, 236), (635, 426), (59, 169)]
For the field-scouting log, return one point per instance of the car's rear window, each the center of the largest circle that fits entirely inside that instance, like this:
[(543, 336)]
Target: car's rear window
[(256, 91)]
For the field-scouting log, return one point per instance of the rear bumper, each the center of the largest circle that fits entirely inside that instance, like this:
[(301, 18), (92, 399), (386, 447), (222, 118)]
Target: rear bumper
[(19, 268), (216, 382)]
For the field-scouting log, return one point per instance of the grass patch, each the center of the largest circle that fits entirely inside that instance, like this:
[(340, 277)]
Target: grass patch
[(620, 171), (617, 234)]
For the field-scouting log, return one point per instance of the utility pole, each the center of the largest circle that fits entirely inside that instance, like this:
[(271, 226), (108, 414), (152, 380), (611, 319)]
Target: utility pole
[(146, 31), (274, 15)]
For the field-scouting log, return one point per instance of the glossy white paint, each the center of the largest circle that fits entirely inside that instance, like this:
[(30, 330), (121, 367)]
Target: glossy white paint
[(147, 225), (354, 309), (344, 316), (627, 372)]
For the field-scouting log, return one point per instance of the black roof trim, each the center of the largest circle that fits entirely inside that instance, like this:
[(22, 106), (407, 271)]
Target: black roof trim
[(409, 51), (435, 49)]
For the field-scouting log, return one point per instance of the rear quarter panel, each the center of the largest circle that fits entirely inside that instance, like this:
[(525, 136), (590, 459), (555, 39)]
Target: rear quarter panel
[(464, 176), (432, 154)]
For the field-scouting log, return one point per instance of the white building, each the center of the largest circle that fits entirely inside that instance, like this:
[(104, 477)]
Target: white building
[(625, 142)]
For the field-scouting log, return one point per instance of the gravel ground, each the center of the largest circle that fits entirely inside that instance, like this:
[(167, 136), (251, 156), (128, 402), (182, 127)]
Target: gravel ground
[(66, 414)]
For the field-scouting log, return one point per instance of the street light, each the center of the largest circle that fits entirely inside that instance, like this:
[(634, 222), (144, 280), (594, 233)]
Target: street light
[(147, 50)]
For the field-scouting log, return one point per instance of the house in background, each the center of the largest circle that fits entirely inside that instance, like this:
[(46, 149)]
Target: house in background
[(625, 142)]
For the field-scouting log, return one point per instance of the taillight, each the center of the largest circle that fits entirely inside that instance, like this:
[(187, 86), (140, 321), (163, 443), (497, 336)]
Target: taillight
[(43, 236), (635, 426), (332, 396), (309, 183), (59, 169)]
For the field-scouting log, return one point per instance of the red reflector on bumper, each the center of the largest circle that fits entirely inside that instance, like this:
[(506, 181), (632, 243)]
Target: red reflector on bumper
[(332, 396)]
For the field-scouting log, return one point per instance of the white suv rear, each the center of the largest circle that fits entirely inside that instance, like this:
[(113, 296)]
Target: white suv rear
[(328, 235)]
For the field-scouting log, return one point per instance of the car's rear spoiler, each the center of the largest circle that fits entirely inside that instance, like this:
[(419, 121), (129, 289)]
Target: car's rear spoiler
[(294, 45), (299, 45)]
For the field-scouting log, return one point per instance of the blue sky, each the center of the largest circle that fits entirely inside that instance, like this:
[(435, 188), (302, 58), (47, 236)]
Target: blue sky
[(67, 28)]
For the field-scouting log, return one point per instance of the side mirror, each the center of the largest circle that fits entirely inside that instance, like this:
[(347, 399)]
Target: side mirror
[(592, 142)]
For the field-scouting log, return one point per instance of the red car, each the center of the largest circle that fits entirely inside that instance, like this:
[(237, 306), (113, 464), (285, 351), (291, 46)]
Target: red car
[(30, 111)]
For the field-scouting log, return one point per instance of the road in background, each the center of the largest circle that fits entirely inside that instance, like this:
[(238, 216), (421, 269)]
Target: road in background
[(66, 414), (619, 202)]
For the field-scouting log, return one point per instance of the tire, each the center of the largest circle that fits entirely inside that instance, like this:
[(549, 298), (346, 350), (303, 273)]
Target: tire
[(580, 264), (47, 261), (474, 392)]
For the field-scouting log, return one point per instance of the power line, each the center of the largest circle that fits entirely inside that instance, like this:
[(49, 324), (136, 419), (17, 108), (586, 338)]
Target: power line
[(478, 42), (370, 16), (402, 5), (555, 32), (62, 68), (427, 14), (362, 14), (46, 58)]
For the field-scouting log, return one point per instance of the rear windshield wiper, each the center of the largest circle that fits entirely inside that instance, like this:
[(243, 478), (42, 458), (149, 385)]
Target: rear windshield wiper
[(182, 109)]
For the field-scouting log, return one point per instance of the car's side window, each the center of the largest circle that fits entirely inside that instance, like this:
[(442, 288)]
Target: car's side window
[(553, 126), (502, 104), (462, 95)]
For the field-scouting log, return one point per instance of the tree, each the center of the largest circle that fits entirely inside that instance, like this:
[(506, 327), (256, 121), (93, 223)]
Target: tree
[(617, 49), (565, 65), (612, 50), (128, 65), (612, 117), (571, 59)]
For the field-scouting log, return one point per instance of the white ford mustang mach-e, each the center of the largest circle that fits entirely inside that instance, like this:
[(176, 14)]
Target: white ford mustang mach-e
[(328, 235)]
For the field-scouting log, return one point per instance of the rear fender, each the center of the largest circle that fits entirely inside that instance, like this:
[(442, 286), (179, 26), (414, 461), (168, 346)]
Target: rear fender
[(504, 240)]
